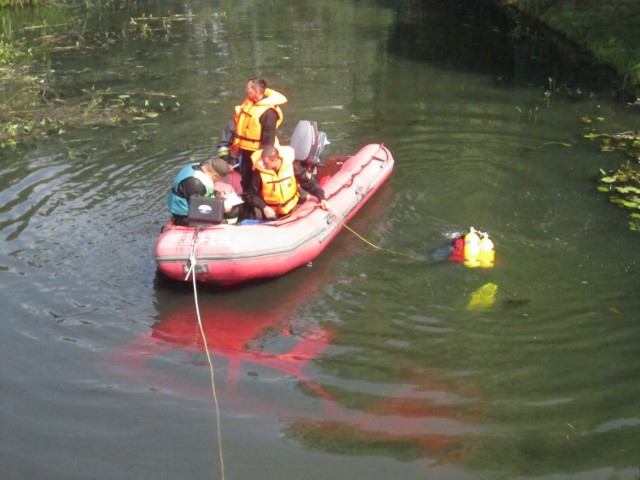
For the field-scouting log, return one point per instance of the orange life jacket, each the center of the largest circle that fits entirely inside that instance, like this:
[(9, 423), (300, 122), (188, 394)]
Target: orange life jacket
[(248, 130), (279, 189)]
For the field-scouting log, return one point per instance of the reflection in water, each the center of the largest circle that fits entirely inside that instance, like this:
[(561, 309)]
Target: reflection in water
[(423, 414), (492, 42), (240, 337), (426, 415)]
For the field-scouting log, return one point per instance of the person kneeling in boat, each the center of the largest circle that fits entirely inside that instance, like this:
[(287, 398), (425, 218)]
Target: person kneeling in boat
[(278, 184), (200, 180)]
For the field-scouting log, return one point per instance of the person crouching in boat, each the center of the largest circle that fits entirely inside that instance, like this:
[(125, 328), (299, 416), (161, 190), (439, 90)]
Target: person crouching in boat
[(199, 180), (277, 182)]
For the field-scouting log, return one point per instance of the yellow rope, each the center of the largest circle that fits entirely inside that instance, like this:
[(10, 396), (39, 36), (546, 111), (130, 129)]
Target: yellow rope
[(409, 255), (192, 271), (215, 396)]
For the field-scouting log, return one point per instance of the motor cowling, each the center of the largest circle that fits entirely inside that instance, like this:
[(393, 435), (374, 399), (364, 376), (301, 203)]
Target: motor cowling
[(308, 144)]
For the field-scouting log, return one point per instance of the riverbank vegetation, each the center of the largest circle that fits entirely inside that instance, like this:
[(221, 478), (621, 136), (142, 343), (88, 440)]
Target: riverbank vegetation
[(33, 106), (609, 29), (21, 3)]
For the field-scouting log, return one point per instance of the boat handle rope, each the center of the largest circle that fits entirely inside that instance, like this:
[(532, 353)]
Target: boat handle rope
[(192, 271)]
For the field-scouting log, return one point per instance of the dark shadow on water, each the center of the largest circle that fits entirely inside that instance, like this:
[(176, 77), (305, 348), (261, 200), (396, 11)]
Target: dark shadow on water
[(477, 36)]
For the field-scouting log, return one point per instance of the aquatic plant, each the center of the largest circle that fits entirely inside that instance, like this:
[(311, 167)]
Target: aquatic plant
[(623, 187), (99, 107), (627, 142), (30, 107), (21, 3), (622, 184)]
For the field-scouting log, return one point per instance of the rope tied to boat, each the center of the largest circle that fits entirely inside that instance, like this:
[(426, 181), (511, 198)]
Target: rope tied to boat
[(192, 270), (374, 157), (377, 247), (192, 259)]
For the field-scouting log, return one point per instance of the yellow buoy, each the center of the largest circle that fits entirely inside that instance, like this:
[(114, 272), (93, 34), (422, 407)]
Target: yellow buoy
[(471, 248), (486, 252)]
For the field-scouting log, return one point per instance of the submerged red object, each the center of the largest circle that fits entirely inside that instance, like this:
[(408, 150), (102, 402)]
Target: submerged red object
[(228, 254)]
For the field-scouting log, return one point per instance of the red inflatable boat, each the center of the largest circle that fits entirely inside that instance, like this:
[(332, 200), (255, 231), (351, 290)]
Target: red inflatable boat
[(226, 254)]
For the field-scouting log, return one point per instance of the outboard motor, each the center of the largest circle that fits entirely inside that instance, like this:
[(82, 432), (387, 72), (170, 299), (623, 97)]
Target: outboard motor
[(308, 143)]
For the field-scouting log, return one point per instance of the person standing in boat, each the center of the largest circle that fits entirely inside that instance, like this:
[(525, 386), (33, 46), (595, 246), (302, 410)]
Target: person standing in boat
[(199, 180), (278, 184), (256, 120)]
